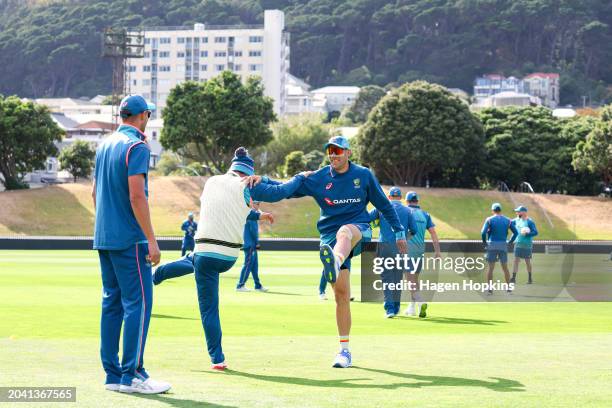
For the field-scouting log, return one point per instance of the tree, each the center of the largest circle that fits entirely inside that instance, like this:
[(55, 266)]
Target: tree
[(314, 159), (416, 130), (27, 136), (294, 163), (304, 132), (207, 121), (78, 159), (367, 98), (595, 153)]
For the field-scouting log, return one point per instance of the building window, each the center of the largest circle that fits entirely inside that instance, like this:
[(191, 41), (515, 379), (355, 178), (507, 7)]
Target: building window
[(147, 41), (146, 68), (220, 54), (146, 82), (164, 68), (255, 39), (188, 53), (132, 68), (164, 54), (180, 54), (238, 67), (220, 39), (154, 133), (165, 40), (254, 53), (188, 39), (204, 40), (134, 82), (147, 54), (255, 67), (180, 40), (203, 54), (219, 67), (237, 53), (204, 67)]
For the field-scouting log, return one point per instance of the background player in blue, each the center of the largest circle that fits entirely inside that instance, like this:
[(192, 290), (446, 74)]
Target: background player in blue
[(494, 235), (388, 249), (524, 243), (251, 244), (189, 227), (416, 251), (342, 190), (127, 248)]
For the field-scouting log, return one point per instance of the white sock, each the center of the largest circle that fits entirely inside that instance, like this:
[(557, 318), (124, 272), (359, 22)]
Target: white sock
[(344, 343)]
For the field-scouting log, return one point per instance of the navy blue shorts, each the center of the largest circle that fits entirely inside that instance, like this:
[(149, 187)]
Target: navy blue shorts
[(524, 253), (366, 236), (494, 255)]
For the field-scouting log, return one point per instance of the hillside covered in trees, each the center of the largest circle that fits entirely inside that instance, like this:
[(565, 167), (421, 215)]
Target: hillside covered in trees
[(53, 48)]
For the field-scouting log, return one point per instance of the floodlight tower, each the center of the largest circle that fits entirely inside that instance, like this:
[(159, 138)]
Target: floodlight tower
[(119, 45)]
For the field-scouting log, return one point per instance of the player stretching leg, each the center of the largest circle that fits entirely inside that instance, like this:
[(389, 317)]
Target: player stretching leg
[(494, 234), (524, 243), (342, 190)]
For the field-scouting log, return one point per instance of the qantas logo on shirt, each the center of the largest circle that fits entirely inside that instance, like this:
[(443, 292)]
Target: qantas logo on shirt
[(328, 186), (342, 201)]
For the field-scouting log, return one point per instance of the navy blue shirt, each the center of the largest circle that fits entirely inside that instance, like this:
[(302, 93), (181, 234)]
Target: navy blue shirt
[(495, 231), (251, 233), (190, 228), (405, 216), (344, 197), (122, 154)]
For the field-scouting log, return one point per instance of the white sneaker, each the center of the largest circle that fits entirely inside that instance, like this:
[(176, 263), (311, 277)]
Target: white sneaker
[(322, 296), (112, 387), (411, 310), (243, 289), (262, 289), (149, 386), (390, 315)]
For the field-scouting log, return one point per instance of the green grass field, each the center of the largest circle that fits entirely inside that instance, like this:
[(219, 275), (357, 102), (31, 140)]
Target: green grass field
[(280, 345)]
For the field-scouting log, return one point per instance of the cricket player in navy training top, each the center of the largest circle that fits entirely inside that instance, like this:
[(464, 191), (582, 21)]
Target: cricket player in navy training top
[(189, 227), (494, 236), (343, 190), (524, 243), (388, 249), (251, 262), (127, 248)]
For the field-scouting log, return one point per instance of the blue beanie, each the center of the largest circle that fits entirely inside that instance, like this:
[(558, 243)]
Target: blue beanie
[(242, 162)]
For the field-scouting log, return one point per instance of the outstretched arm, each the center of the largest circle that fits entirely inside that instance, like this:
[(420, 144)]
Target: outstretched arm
[(271, 193), (484, 231)]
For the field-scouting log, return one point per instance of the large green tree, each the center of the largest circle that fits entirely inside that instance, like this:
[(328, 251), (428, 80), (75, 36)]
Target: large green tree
[(416, 130), (27, 136), (78, 159), (367, 98), (207, 121), (594, 154)]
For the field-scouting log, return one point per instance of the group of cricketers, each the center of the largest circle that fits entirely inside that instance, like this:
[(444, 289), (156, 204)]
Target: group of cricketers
[(128, 248)]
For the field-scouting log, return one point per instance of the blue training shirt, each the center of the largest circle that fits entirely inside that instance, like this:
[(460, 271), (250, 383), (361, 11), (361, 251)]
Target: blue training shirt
[(344, 197), (405, 216), (190, 228), (525, 241), (494, 232), (124, 153), (422, 219)]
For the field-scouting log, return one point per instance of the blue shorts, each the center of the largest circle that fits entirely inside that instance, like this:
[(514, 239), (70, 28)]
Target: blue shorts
[(415, 267), (366, 236), (524, 253), (494, 255)]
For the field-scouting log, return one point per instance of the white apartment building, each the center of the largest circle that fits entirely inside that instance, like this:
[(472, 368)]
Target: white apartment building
[(176, 54), (545, 86)]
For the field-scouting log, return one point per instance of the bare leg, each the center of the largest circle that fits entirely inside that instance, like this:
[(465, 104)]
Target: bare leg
[(528, 263), (506, 272), (515, 266), (342, 292), (490, 272), (347, 237)]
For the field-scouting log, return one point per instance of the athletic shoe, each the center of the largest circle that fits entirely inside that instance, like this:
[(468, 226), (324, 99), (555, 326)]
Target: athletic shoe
[(343, 359), (513, 279), (489, 292), (331, 267), (322, 296), (149, 386), (423, 311), (112, 387), (243, 289), (261, 289), (529, 282), (219, 366), (390, 315), (411, 310), (352, 298)]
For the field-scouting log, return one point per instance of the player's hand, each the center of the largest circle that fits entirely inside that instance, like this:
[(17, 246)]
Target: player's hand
[(154, 254), (305, 173), (267, 216), (402, 246), (252, 180)]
